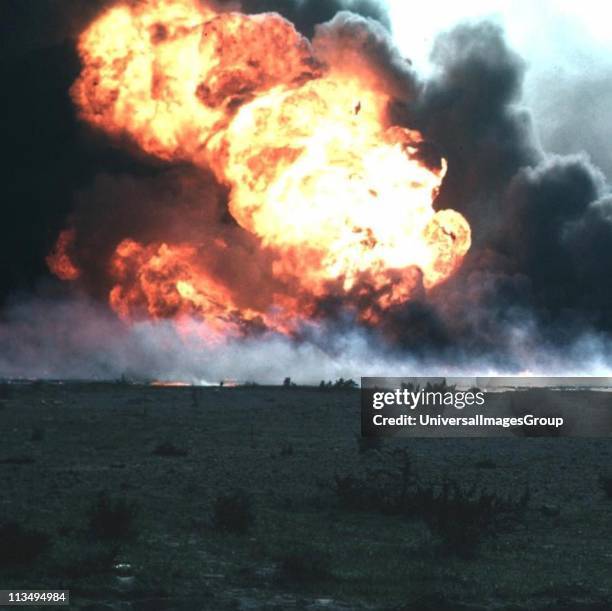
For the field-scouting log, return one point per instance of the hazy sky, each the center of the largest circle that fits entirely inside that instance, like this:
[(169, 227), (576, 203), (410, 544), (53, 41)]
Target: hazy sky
[(563, 33), (568, 49)]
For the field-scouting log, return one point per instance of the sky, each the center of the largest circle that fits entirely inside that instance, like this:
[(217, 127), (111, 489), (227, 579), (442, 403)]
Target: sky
[(566, 45), (562, 33)]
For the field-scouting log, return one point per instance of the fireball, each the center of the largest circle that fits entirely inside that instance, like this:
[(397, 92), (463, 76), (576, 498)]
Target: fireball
[(303, 143)]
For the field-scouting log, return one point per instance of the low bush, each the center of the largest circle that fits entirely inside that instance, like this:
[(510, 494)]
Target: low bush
[(485, 463), (459, 516), (383, 489), (233, 512), (286, 449), (442, 386), (368, 444), (339, 384), (112, 519), (21, 546), (38, 434), (305, 566), (17, 460), (6, 391), (605, 483), (79, 562), (169, 450)]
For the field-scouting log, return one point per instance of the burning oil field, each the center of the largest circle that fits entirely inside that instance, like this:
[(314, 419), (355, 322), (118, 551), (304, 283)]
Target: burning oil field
[(220, 214), (218, 181)]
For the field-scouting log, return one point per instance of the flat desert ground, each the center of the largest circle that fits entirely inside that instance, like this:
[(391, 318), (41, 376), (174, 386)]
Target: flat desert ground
[(169, 454)]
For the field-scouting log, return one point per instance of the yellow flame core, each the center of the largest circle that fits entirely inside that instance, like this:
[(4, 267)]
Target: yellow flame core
[(314, 169)]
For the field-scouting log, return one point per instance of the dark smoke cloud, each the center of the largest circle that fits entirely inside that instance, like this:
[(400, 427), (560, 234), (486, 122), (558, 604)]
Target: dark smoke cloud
[(30, 24), (363, 43), (306, 14), (558, 224), (542, 223), (49, 154), (468, 110), (178, 205), (572, 111)]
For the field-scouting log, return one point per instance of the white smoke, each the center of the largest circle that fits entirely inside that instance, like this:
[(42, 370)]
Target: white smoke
[(73, 338)]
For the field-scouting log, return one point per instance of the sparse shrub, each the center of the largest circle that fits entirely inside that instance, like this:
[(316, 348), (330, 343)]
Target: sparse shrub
[(17, 460), (286, 450), (434, 601), (368, 444), (459, 516), (112, 519), (605, 483), (549, 510), (169, 450), (78, 561), (352, 494), (20, 546), (339, 384), (382, 489), (342, 383), (462, 517), (233, 512), (485, 463), (442, 387), (38, 434), (304, 566)]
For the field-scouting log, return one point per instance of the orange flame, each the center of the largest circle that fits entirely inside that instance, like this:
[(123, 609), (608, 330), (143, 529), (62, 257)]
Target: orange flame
[(166, 282), (301, 139), (59, 261)]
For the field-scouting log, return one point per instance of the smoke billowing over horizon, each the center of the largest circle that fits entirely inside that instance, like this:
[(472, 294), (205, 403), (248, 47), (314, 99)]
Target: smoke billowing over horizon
[(531, 295)]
